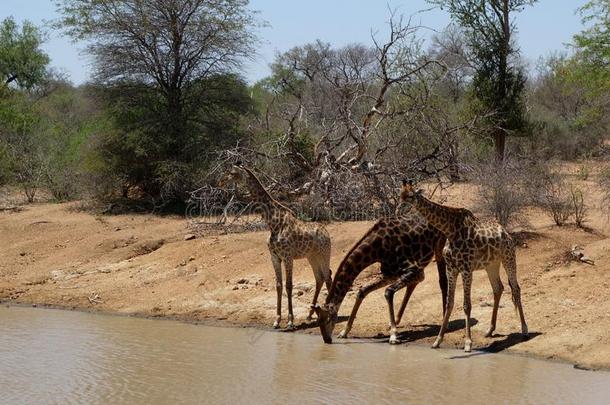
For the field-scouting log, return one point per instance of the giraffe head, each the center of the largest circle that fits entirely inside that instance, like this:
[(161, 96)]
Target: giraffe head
[(327, 318), (408, 195), (234, 175)]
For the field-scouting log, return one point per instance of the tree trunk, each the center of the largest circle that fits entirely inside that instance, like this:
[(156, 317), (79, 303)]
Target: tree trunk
[(454, 169), (500, 144), (175, 129), (500, 134)]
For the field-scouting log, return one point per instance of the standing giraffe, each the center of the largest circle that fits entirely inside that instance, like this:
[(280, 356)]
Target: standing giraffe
[(290, 239), (404, 246), (471, 245)]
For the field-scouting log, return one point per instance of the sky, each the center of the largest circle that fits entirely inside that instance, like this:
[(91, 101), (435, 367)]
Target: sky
[(542, 29)]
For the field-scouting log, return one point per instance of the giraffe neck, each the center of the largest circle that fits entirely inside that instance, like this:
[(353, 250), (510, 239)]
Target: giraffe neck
[(448, 220), (274, 213), (357, 259), (342, 282), (258, 193)]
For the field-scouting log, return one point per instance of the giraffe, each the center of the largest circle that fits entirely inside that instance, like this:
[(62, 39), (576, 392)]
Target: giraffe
[(404, 246), (290, 239), (472, 244)]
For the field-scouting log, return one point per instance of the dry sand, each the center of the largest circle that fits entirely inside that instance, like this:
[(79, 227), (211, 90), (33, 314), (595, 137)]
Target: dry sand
[(51, 254)]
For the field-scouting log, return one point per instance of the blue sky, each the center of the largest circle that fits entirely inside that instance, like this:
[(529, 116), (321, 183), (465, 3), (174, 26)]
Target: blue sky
[(544, 28)]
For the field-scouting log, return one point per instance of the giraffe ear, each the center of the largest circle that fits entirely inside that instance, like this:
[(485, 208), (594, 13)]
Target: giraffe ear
[(419, 191)]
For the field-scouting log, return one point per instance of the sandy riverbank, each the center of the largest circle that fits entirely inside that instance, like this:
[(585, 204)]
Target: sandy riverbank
[(51, 254)]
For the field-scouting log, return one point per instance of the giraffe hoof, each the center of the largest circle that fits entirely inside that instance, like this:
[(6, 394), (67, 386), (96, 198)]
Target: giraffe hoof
[(436, 344), (342, 334), (394, 340), (468, 347), (489, 333), (290, 326), (309, 318), (276, 324)]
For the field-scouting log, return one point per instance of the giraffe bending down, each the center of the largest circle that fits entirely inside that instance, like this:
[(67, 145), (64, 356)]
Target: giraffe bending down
[(290, 239), (471, 245), (404, 246)]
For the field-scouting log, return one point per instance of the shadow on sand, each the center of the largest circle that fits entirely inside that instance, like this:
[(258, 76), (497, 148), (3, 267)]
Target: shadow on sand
[(498, 346), (509, 340), (424, 331), (427, 330)]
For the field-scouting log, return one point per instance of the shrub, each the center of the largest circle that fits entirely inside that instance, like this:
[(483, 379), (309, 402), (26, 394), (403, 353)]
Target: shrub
[(579, 208), (501, 189), (548, 191)]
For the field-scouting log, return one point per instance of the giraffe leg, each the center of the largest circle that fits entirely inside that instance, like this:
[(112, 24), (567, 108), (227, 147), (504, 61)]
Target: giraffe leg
[(467, 281), (288, 263), (510, 266), (442, 279), (405, 301), (493, 272), (411, 278), (319, 276), (378, 282), (328, 276), (441, 266), (324, 266), (452, 273), (319, 284), (277, 267)]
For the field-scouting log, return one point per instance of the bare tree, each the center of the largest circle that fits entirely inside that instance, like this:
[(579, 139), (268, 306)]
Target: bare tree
[(450, 47), (343, 125)]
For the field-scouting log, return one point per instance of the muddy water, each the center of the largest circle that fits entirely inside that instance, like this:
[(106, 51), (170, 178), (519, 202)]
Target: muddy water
[(51, 356)]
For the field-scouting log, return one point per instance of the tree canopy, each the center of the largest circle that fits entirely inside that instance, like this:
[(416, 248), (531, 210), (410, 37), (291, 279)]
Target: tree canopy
[(498, 83), (160, 64), (594, 41), (22, 61)]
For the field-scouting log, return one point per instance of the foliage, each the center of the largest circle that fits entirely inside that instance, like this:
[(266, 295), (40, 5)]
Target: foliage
[(335, 128), (164, 72), (571, 95), (592, 61), (498, 83), (68, 122), (138, 151), (22, 62), (594, 41), (21, 145), (23, 78)]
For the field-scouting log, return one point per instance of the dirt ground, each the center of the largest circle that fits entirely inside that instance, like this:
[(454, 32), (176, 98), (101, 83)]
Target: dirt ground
[(53, 254)]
